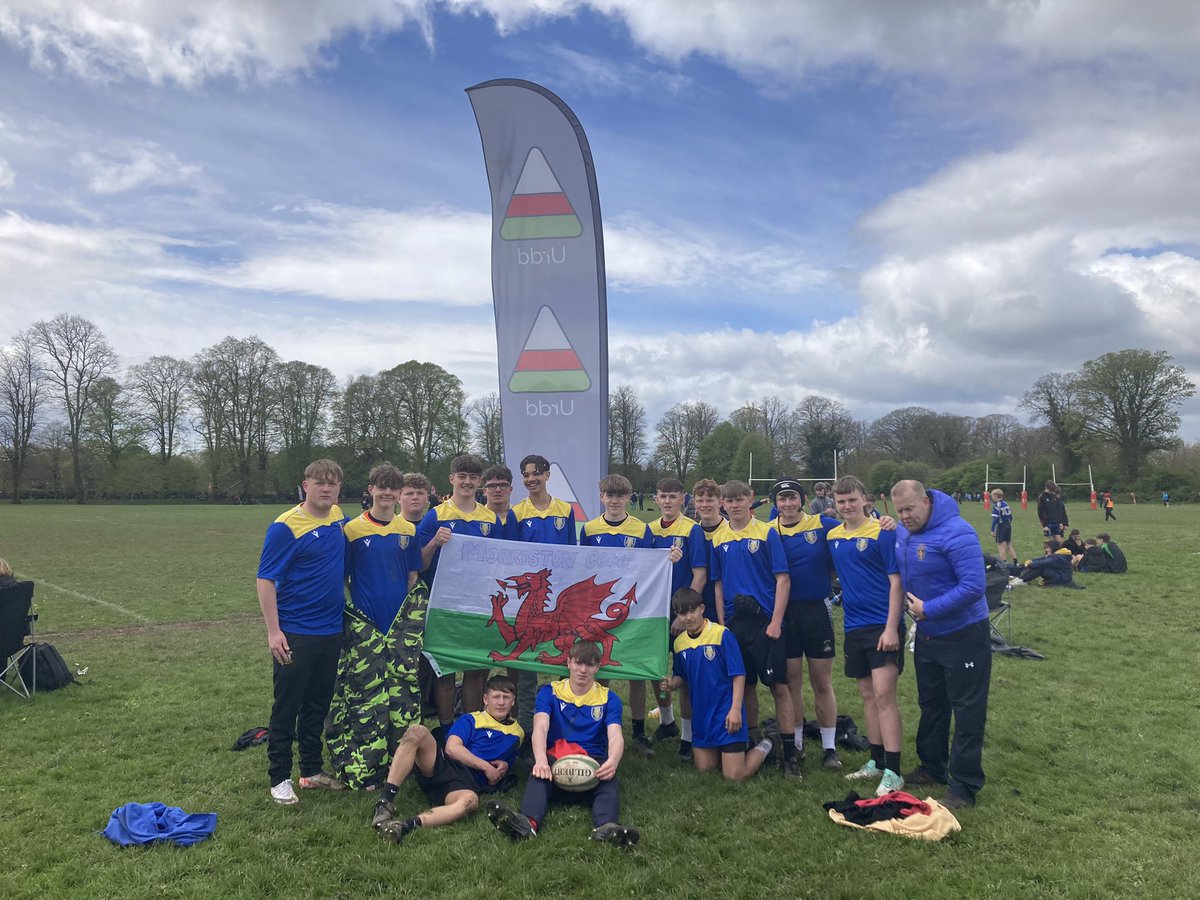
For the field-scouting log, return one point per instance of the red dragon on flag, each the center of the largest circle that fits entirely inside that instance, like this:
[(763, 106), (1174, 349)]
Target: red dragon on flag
[(579, 613)]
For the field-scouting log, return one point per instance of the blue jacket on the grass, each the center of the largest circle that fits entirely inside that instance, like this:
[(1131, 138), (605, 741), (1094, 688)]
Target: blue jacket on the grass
[(942, 564)]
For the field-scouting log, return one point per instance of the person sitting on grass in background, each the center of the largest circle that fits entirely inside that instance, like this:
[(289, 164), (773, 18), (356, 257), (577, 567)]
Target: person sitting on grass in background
[(1105, 556), (1002, 527), (708, 661), (577, 711), (1074, 543), (673, 530), (872, 603), (616, 528), (1054, 568), (478, 757)]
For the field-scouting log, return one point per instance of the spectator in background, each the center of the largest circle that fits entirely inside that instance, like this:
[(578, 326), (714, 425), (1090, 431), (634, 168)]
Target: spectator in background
[(1051, 510), (822, 504)]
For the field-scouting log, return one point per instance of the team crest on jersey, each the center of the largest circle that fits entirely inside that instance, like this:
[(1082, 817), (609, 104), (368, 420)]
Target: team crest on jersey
[(404, 541), (485, 528), (559, 523), (861, 544), (752, 545), (630, 542), (710, 652), (597, 713), (810, 536), (921, 552)]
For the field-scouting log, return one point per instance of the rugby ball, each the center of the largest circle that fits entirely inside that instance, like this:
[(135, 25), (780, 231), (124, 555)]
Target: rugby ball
[(575, 773)]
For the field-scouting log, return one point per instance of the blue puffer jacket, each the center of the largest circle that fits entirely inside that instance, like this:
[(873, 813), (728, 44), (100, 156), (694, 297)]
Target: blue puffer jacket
[(942, 564)]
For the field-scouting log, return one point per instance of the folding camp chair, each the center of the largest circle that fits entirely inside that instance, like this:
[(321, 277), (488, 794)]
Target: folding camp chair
[(996, 589), (16, 623)]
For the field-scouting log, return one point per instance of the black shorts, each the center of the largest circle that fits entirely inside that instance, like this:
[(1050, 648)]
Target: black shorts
[(1004, 532), (808, 630), (1050, 529), (861, 655), (449, 775), (765, 659), (733, 747)]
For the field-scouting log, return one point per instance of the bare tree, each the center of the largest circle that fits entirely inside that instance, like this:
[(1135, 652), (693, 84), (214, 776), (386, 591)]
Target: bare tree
[(55, 443), (680, 431), (159, 387), (77, 357), (487, 433), (110, 425), (232, 389), (626, 429), (949, 437), (22, 392), (1054, 401), (302, 399), (900, 433)]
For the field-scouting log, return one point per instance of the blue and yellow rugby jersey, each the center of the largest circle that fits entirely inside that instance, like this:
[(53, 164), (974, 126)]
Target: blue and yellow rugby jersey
[(488, 739), (746, 562), (306, 559), (864, 558), (632, 532), (710, 586), (689, 537), (508, 528), (809, 562), (708, 663), (581, 720), (480, 522), (553, 525), (379, 556)]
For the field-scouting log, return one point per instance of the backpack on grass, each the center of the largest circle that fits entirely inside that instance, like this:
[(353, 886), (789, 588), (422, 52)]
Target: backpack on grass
[(52, 671)]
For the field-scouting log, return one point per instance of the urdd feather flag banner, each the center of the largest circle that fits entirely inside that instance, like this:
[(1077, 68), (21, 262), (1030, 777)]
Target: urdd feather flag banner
[(547, 286), (504, 603)]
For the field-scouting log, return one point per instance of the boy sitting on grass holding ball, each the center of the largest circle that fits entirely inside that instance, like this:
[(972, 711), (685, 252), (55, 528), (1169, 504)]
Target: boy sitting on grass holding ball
[(708, 661), (573, 711)]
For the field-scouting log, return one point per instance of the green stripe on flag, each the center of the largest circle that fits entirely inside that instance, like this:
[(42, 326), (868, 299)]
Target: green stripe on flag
[(461, 641), (549, 382), (527, 228)]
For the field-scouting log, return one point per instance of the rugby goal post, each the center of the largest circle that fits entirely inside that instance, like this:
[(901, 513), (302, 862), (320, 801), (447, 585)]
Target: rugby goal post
[(1091, 484), (988, 484)]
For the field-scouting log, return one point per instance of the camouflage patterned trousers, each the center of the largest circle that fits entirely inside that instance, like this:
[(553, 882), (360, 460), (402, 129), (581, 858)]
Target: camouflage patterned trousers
[(377, 695)]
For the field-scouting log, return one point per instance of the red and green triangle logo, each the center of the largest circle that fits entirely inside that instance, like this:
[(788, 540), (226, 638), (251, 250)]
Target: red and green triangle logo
[(564, 491), (538, 207), (548, 363)]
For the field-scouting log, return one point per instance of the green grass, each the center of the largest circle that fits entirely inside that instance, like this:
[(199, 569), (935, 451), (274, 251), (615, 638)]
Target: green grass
[(1091, 755)]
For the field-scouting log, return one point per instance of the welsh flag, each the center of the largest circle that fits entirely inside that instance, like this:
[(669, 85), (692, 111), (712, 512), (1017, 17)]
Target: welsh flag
[(505, 603)]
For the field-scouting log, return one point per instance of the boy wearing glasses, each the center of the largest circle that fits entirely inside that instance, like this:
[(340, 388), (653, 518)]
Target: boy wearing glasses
[(497, 496)]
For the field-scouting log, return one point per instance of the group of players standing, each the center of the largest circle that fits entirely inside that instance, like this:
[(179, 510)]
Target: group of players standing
[(751, 600)]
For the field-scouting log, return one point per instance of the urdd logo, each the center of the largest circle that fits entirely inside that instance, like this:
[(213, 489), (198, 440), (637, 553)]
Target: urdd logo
[(546, 408), (535, 257)]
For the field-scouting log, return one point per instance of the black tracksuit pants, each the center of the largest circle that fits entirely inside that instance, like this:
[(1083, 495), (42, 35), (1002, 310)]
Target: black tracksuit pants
[(303, 690)]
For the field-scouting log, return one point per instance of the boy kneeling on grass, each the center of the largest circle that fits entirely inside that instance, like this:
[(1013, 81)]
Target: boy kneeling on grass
[(708, 660), (575, 710), (478, 757)]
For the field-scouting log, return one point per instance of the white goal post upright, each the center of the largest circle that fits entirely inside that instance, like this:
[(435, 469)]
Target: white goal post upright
[(1091, 484), (988, 484)]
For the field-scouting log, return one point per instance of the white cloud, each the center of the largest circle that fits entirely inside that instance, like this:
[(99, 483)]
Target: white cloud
[(136, 165), (190, 41)]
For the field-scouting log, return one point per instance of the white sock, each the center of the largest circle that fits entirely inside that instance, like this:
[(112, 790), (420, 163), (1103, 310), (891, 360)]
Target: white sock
[(827, 736), (800, 736), (666, 715), (763, 746), (685, 730)]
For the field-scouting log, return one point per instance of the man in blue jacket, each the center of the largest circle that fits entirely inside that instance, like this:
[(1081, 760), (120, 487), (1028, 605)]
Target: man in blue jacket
[(941, 567)]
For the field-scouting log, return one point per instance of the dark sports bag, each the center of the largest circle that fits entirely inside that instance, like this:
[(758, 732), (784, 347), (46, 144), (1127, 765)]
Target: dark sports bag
[(52, 671)]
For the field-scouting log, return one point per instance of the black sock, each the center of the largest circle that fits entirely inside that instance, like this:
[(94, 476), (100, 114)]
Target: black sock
[(685, 745), (413, 823), (877, 755), (891, 761), (390, 791), (639, 728), (789, 746)]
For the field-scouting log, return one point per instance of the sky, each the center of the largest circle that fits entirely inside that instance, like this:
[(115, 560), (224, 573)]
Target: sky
[(924, 203)]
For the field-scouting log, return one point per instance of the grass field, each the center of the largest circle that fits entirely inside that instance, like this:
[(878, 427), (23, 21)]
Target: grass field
[(1091, 754)]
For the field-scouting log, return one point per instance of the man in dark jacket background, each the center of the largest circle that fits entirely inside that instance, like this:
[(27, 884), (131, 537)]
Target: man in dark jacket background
[(1051, 510), (941, 567)]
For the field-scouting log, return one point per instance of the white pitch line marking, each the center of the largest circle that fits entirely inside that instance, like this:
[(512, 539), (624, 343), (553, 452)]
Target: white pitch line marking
[(62, 590)]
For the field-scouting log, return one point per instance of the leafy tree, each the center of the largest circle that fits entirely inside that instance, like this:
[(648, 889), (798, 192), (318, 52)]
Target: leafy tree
[(753, 459), (825, 426), (302, 400), (111, 427), (900, 433), (715, 456), (427, 409), (77, 356), (1131, 399), (949, 437)]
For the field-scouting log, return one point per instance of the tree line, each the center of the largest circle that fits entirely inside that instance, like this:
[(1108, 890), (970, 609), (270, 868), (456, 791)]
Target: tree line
[(235, 421)]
